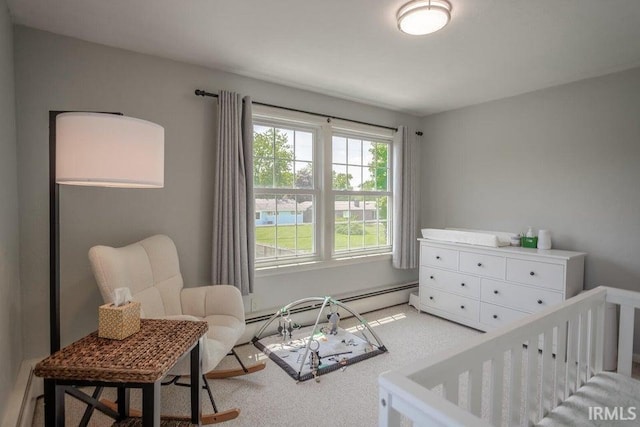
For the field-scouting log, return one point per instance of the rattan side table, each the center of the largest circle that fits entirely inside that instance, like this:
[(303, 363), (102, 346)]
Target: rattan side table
[(139, 361)]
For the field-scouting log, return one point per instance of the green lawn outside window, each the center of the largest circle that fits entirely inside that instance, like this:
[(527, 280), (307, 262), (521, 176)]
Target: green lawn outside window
[(286, 235)]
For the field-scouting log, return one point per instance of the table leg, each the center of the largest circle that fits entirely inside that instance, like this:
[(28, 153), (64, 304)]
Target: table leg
[(151, 405), (196, 384), (123, 402), (84, 422), (53, 404)]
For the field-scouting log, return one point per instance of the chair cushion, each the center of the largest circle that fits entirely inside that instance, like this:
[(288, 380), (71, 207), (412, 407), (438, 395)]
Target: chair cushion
[(151, 303), (226, 330), (162, 257), (149, 268)]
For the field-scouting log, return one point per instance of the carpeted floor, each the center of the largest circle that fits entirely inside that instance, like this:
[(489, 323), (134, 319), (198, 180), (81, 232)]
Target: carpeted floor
[(342, 398)]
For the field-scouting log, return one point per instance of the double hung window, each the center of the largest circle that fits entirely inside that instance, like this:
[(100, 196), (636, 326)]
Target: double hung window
[(322, 190), (361, 193)]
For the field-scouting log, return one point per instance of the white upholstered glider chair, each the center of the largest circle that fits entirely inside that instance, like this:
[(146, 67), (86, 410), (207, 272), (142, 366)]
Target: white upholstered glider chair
[(151, 270)]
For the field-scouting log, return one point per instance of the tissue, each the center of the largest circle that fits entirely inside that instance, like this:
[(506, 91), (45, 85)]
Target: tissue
[(121, 296)]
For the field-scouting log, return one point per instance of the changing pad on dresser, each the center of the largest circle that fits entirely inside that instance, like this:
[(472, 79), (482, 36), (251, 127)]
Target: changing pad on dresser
[(470, 237)]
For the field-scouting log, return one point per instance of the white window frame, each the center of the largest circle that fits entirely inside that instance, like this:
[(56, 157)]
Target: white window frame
[(356, 130), (324, 208)]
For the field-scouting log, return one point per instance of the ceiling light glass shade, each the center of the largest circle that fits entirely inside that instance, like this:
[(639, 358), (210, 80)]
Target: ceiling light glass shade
[(109, 150), (420, 17)]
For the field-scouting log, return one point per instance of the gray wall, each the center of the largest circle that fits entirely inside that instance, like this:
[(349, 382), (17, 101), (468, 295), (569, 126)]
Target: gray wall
[(10, 315), (59, 73), (565, 158)]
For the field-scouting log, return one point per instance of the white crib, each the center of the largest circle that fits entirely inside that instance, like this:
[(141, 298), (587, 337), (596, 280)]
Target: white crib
[(501, 379)]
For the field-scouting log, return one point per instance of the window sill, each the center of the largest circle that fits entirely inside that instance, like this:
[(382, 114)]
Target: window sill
[(275, 270)]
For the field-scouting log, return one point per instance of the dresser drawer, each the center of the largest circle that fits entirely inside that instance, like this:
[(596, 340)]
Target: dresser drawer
[(454, 304), (438, 257), (484, 265), (518, 297), (449, 281), (536, 273), (496, 316)]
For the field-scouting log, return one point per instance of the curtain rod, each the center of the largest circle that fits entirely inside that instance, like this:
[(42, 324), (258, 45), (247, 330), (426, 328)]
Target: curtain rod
[(203, 93)]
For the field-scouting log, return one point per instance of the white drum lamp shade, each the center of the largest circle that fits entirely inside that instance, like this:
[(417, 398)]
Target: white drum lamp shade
[(109, 150)]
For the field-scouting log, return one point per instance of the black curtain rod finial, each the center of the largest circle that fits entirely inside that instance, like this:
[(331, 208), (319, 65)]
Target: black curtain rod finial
[(419, 133)]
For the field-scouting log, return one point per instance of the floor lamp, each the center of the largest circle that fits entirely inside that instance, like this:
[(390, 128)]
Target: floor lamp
[(96, 150)]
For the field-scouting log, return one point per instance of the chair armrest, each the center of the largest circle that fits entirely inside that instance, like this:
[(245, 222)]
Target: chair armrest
[(205, 301)]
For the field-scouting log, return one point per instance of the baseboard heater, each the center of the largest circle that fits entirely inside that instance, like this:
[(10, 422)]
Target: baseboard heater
[(405, 287)]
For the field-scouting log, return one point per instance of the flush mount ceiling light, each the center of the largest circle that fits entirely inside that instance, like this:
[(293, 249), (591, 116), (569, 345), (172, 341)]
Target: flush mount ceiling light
[(420, 17)]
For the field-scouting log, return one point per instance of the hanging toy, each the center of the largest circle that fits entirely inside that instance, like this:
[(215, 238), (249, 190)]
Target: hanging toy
[(334, 320), (314, 359), (280, 328), (285, 325), (290, 329)]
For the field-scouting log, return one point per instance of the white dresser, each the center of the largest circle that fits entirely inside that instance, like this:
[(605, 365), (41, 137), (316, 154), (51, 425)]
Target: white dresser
[(486, 287)]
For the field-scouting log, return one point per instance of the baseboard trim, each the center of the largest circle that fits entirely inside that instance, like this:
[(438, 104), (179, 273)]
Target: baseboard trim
[(22, 401)]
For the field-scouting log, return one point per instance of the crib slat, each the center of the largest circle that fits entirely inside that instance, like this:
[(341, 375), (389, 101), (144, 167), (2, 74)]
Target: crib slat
[(561, 363), (546, 387), (515, 385), (532, 378), (451, 389), (599, 343), (582, 352), (387, 415), (497, 372), (625, 340), (572, 341), (475, 398), (591, 355)]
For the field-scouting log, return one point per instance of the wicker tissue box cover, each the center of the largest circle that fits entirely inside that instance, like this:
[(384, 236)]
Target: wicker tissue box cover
[(118, 322)]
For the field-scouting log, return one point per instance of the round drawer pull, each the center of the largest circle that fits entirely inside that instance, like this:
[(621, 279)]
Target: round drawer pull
[(479, 264), (437, 256), (495, 292), (495, 316), (461, 284), (462, 307), (539, 301), (431, 298), (431, 277), (531, 273)]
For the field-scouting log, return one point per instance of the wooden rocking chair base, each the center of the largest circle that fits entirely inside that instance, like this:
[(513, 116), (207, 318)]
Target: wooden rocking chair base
[(205, 419), (228, 373)]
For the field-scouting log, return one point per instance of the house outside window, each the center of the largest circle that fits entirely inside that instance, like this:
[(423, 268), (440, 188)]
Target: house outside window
[(322, 190)]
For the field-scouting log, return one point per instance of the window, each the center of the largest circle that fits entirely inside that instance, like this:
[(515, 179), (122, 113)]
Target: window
[(360, 194), (322, 190), (285, 191)]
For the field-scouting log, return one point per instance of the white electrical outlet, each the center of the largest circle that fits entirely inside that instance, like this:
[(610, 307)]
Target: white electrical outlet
[(254, 304)]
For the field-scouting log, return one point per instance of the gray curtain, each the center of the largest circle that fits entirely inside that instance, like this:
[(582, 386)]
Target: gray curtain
[(405, 203), (233, 207)]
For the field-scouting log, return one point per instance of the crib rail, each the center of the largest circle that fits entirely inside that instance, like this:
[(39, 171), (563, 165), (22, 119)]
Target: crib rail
[(518, 373)]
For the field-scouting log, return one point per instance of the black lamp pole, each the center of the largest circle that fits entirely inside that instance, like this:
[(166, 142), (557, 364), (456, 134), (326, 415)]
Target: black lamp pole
[(54, 240)]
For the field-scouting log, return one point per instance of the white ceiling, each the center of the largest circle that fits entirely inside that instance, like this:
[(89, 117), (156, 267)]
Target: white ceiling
[(352, 48)]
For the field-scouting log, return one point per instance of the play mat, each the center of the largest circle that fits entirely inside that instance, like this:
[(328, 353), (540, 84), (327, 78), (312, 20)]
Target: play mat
[(310, 351)]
